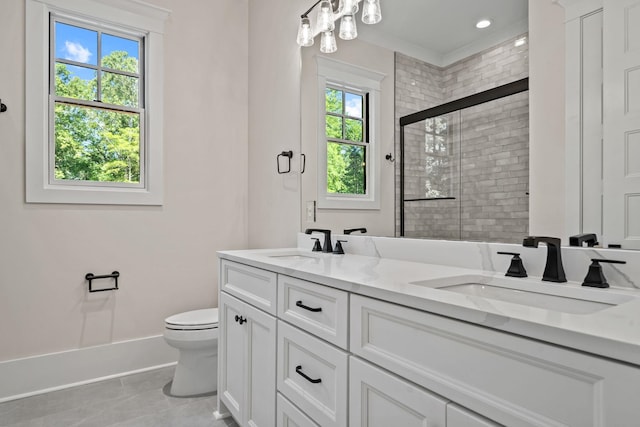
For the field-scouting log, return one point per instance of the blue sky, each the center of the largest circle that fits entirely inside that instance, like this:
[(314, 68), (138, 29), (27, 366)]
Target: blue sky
[(81, 45)]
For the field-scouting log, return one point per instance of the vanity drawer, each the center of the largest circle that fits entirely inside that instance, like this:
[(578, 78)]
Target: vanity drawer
[(313, 375), (318, 309), (510, 379), (380, 399), (253, 285), (290, 416)]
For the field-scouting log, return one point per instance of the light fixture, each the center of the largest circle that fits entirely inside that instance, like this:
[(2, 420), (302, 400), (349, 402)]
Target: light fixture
[(325, 20), (348, 29), (371, 12), (348, 7), (483, 23), (328, 42), (328, 12), (305, 33)]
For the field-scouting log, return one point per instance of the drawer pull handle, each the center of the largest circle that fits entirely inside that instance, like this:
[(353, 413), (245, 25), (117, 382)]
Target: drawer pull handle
[(311, 380), (301, 305), (240, 319)]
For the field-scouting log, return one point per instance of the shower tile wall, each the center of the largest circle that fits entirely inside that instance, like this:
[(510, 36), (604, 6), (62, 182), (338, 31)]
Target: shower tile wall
[(492, 204)]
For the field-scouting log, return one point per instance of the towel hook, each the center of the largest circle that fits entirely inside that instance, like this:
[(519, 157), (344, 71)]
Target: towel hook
[(3, 107)]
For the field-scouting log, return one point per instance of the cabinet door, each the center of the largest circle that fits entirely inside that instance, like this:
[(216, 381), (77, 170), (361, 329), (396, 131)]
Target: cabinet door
[(247, 353), (261, 368), (231, 350), (380, 399), (460, 417)]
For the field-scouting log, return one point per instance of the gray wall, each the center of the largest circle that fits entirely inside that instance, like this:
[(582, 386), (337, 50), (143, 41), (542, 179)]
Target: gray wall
[(486, 159)]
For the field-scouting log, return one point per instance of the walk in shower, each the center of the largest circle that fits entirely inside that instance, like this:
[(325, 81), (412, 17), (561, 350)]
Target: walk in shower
[(464, 168)]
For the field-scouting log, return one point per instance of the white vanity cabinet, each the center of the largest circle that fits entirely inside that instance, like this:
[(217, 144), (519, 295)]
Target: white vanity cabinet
[(513, 380), (310, 355), (247, 346)]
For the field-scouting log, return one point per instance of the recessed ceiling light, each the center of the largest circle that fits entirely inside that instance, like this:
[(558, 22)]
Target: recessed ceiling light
[(520, 42), (483, 23)]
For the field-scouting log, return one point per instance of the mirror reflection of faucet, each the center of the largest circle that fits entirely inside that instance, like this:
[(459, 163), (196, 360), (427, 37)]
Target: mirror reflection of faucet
[(590, 239)]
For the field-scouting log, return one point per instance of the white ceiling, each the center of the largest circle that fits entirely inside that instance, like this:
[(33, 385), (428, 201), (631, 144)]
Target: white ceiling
[(443, 31)]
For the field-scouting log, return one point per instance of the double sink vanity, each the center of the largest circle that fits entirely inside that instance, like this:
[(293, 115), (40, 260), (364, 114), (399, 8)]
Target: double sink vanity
[(411, 332)]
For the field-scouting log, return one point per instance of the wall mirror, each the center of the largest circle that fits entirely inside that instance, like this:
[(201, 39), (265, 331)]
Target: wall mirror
[(440, 26), (429, 52)]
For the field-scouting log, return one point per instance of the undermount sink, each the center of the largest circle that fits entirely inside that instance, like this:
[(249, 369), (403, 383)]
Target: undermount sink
[(291, 255), (556, 297)]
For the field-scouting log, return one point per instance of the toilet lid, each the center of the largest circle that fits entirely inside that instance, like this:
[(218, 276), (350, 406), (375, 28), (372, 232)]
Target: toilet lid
[(197, 319)]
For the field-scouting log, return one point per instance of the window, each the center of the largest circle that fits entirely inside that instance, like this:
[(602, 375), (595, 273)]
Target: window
[(98, 110), (347, 138), (94, 114), (347, 153)]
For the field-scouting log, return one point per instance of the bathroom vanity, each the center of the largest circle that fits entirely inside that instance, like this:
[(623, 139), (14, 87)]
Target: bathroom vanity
[(313, 339)]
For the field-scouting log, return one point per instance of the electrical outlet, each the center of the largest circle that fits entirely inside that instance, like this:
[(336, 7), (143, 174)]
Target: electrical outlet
[(311, 211)]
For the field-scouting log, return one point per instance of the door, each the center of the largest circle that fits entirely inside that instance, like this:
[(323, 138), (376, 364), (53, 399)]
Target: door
[(621, 144), (380, 399)]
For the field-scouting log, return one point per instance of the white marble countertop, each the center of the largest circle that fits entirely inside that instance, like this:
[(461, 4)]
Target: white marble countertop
[(612, 332)]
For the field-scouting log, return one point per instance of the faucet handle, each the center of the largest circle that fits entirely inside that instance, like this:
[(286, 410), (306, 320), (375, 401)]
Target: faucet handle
[(516, 269), (338, 248), (316, 245), (595, 277)]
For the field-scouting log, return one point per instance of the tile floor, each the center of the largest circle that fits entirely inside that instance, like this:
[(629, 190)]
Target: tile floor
[(133, 401)]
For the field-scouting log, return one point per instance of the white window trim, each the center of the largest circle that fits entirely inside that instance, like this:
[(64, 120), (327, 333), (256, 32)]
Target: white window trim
[(340, 73), (135, 15)]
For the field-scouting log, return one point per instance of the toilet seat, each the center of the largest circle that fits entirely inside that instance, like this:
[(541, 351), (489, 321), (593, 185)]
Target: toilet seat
[(193, 320)]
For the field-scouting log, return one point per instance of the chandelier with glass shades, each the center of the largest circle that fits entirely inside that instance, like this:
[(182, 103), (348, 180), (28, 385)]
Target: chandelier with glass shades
[(328, 12)]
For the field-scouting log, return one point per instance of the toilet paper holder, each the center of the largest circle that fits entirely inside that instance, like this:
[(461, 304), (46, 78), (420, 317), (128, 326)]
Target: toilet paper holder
[(91, 277)]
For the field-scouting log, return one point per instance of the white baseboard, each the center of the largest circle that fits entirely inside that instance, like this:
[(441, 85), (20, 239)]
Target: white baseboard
[(49, 372)]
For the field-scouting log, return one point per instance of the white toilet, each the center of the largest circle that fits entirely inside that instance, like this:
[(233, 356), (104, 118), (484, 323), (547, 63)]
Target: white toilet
[(195, 335)]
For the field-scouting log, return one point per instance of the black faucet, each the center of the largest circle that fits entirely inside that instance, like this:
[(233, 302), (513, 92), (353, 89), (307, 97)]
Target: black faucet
[(589, 238), (326, 247), (553, 270)]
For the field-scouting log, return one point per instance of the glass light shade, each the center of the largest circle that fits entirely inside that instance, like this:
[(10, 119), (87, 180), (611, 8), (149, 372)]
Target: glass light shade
[(348, 7), (325, 17), (348, 30), (305, 34), (328, 42), (371, 12)]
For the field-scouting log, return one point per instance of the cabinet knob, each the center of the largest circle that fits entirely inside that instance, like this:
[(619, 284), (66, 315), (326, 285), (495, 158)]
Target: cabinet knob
[(240, 319)]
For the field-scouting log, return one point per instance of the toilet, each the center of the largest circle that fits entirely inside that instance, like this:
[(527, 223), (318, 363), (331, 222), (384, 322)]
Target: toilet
[(195, 335)]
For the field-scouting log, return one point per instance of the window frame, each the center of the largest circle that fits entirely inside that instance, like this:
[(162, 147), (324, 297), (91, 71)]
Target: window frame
[(340, 75), (118, 17)]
